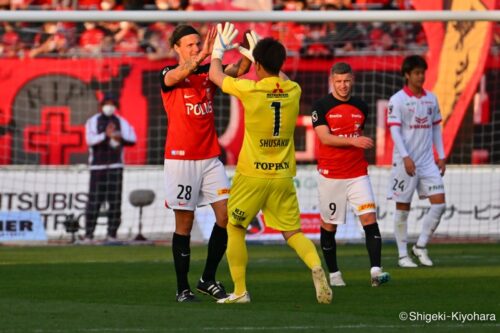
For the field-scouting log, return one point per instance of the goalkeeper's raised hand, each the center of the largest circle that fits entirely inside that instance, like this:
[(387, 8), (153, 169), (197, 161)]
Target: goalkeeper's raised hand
[(224, 40), (246, 49)]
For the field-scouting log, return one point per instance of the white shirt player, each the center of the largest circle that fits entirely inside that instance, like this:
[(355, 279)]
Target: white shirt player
[(416, 116)]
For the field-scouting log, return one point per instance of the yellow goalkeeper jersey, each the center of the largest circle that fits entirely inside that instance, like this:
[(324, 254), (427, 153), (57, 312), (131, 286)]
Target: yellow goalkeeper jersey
[(271, 107)]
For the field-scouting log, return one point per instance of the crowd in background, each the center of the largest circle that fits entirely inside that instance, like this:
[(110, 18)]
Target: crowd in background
[(151, 40)]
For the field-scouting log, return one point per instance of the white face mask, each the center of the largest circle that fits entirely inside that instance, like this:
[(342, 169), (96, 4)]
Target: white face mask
[(108, 110)]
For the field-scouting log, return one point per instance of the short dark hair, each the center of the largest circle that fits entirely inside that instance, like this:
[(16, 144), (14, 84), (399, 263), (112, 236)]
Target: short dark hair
[(412, 62), (109, 97), (341, 68), (181, 31), (271, 54)]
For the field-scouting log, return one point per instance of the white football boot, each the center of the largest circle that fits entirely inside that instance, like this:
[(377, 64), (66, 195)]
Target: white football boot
[(232, 298), (422, 256), (336, 279), (406, 262)]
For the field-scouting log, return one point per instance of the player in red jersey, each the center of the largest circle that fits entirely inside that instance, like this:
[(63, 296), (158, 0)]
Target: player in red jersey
[(338, 121), (194, 175)]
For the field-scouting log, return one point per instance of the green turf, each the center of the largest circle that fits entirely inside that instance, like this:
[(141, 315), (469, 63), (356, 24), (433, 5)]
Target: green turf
[(131, 289)]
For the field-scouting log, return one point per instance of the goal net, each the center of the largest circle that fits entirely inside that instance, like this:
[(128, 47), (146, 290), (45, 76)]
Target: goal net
[(54, 74)]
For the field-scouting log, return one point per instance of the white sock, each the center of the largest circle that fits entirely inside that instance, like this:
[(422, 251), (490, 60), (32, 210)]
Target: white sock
[(375, 270), (401, 231), (430, 224)]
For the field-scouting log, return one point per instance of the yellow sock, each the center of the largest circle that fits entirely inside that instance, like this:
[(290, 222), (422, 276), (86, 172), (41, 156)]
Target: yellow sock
[(305, 249), (237, 257)]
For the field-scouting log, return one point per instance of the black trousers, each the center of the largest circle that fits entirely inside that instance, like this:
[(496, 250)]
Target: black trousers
[(105, 186)]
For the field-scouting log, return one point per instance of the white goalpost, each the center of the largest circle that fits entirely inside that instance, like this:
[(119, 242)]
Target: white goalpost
[(45, 101), (251, 16)]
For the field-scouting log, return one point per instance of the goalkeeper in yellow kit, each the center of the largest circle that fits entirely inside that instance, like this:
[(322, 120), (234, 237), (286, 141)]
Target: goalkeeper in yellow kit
[(266, 163)]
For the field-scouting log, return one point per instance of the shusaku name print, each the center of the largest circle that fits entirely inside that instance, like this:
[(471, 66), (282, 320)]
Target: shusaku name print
[(271, 143)]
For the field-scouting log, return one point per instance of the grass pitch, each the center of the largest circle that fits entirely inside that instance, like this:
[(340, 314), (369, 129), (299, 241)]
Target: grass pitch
[(131, 289)]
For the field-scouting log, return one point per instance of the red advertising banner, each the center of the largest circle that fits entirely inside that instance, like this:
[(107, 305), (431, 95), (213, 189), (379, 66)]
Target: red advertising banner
[(45, 103)]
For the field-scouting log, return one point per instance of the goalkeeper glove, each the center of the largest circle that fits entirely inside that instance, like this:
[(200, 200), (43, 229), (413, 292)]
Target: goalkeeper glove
[(224, 39), (252, 39)]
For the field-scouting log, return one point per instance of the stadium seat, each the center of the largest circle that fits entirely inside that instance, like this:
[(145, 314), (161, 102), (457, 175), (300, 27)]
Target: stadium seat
[(141, 198)]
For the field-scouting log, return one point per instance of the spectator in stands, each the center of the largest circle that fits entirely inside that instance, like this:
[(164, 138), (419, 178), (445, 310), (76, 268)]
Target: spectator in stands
[(295, 5), (133, 4), (106, 134), (314, 4), (49, 42), (172, 5), (291, 34), (10, 42), (155, 47), (415, 37), (179, 5), (110, 5), (89, 4), (338, 4), (165, 30), (315, 43), (4, 4), (20, 4), (386, 37), (278, 4), (343, 37), (374, 4), (162, 4), (379, 38), (110, 27), (91, 40), (43, 4), (68, 29), (127, 38)]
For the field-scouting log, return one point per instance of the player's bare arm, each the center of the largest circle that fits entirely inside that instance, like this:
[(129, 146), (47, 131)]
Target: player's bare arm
[(216, 74), (190, 64), (327, 138), (409, 166), (441, 163), (239, 68), (437, 138)]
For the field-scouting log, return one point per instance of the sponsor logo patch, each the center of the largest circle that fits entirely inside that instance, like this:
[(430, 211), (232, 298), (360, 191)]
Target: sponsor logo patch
[(222, 191), (369, 205)]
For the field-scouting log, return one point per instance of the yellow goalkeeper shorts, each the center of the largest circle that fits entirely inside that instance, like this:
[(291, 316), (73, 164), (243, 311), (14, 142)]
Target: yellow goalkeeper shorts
[(276, 197)]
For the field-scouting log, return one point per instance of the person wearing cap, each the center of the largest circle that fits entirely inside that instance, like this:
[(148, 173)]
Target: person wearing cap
[(194, 175), (106, 134)]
